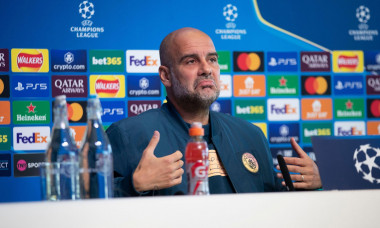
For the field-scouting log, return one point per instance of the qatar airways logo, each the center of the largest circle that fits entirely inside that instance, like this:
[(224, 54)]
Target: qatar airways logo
[(137, 107), (283, 109)]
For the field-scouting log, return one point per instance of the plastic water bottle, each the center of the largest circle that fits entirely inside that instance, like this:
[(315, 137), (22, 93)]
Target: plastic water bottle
[(61, 157), (96, 163), (197, 162)]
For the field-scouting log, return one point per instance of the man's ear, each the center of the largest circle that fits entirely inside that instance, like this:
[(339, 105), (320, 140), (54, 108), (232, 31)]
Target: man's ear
[(164, 73)]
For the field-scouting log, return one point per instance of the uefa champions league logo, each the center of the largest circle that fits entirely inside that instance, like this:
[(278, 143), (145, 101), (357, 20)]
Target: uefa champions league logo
[(230, 14), (367, 163), (362, 13)]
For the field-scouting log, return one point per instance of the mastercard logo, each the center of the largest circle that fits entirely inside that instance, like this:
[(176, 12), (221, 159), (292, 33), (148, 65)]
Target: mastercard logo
[(76, 111), (2, 86), (316, 85), (375, 108), (30, 60), (248, 61)]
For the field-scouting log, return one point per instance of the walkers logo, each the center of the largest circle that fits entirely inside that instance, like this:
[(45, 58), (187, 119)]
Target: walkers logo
[(30, 138), (250, 109), (348, 61), (282, 61), (113, 111), (363, 33), (316, 109), (27, 165), (249, 85), (283, 109), (316, 85), (77, 132), (225, 86), (106, 61), (86, 11), (76, 111), (71, 86), (223, 106), (68, 60), (30, 60), (5, 138), (137, 107), (5, 112), (248, 61), (230, 14), (263, 127), (30, 86), (4, 60), (224, 60), (4, 86), (107, 86), (373, 127), (315, 129), (373, 84), (349, 108), (5, 165), (31, 112), (315, 61), (139, 86), (373, 108), (284, 85), (347, 85), (143, 61), (282, 133), (349, 128), (371, 60)]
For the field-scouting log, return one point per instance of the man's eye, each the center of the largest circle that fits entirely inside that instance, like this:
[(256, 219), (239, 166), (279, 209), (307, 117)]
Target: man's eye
[(191, 61), (214, 60)]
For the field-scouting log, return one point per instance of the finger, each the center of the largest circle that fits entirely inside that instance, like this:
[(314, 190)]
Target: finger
[(295, 168), (297, 148), (174, 156), (302, 185), (175, 181), (176, 165), (294, 161), (152, 144), (298, 177)]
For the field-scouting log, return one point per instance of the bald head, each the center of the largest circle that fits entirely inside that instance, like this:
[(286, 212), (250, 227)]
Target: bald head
[(171, 42)]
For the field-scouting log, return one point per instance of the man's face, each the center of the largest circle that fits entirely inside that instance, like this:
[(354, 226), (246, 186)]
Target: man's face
[(194, 71)]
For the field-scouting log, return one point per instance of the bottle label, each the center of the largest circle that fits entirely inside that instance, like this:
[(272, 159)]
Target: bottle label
[(197, 178)]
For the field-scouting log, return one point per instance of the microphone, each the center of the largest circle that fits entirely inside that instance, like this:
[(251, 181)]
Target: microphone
[(285, 173)]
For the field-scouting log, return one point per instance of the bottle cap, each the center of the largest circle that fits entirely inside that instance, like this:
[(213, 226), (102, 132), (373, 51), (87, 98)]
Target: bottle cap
[(60, 100), (196, 129)]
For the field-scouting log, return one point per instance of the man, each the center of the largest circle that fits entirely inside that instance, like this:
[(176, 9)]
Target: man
[(240, 160)]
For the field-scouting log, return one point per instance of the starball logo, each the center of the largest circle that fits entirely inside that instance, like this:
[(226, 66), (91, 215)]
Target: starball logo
[(30, 138), (348, 61), (363, 33), (248, 61), (30, 60), (107, 86), (230, 32), (143, 61), (283, 109)]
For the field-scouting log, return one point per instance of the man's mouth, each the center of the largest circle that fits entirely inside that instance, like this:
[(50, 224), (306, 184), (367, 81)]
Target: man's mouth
[(205, 83)]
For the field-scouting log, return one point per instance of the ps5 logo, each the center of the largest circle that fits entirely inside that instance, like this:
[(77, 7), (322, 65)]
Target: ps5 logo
[(282, 61), (113, 111), (32, 86)]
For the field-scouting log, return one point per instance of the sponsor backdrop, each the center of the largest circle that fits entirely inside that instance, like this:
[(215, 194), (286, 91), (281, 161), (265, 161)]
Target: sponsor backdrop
[(293, 68)]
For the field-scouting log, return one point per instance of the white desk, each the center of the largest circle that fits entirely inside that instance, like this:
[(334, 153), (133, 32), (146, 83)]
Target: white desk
[(297, 209)]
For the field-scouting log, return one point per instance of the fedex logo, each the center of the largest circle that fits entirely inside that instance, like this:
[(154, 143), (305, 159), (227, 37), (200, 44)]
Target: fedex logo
[(30, 138), (283, 109), (349, 128), (143, 61)]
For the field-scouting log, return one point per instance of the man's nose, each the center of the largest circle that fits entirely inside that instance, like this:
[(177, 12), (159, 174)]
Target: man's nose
[(205, 69)]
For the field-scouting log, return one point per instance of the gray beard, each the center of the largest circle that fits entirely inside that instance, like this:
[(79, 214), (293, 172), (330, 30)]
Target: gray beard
[(191, 101)]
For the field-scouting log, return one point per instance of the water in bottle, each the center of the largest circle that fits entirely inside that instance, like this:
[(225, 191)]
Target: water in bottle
[(96, 164), (61, 157), (197, 162)]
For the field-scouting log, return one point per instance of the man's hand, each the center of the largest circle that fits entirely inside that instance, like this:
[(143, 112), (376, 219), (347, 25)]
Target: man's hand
[(154, 173), (308, 177)]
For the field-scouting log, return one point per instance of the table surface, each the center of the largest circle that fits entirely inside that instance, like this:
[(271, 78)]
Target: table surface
[(286, 209)]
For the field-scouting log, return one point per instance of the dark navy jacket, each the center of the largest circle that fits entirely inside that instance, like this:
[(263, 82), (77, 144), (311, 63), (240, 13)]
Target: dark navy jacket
[(231, 136)]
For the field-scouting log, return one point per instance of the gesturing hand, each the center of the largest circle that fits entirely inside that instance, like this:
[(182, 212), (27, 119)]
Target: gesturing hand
[(308, 177), (157, 173)]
